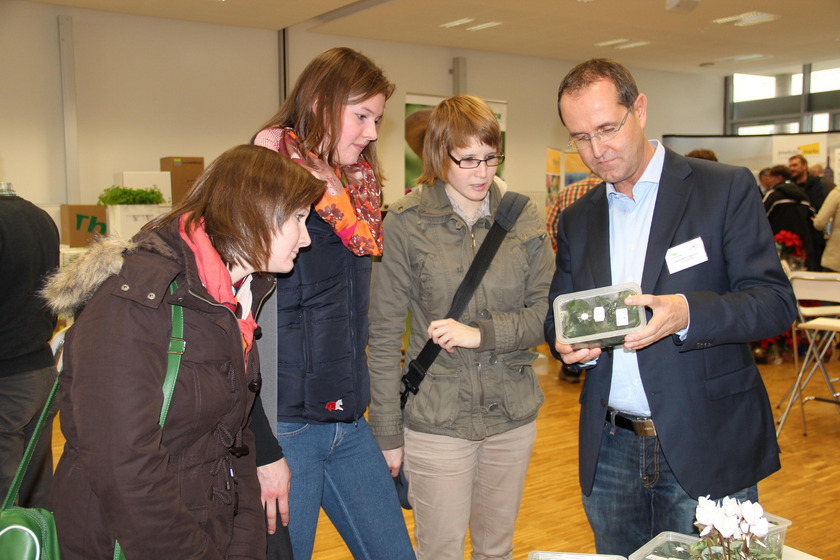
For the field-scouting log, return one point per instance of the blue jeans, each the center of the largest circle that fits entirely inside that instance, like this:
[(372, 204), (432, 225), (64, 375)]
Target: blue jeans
[(636, 496), (340, 467)]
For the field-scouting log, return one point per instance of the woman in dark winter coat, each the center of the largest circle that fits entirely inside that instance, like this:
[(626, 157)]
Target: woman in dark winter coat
[(189, 489)]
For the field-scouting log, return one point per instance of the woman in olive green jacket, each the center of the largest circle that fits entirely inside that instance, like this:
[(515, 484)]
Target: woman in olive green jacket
[(469, 432)]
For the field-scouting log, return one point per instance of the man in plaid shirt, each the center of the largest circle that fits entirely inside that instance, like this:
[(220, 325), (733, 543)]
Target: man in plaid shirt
[(568, 194)]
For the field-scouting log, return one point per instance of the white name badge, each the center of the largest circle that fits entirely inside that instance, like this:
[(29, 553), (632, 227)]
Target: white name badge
[(685, 255)]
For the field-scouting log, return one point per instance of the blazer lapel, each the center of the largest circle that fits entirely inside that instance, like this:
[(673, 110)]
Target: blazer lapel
[(675, 187)]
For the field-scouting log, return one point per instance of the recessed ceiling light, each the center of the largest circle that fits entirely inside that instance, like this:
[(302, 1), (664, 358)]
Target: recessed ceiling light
[(610, 43), (743, 58), (747, 18), (633, 45), (484, 25), (457, 22)]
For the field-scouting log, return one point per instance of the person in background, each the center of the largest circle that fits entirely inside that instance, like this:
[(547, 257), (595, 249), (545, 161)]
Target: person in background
[(702, 153), (766, 181), (568, 194), (811, 184), (468, 434), (788, 208), (565, 198), (329, 125), (189, 489), (28, 253), (828, 220), (693, 235), (817, 170)]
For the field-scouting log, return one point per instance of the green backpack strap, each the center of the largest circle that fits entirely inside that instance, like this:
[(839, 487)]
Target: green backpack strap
[(177, 345)]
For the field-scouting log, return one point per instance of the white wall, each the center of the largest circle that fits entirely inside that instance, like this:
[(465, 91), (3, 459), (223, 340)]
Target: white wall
[(146, 88), (149, 88), (678, 103)]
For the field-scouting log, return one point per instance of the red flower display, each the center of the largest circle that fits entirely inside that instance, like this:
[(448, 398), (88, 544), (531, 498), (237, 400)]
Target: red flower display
[(788, 244)]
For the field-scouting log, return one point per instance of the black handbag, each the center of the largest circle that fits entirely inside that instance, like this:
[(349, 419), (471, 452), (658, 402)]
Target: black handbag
[(507, 213)]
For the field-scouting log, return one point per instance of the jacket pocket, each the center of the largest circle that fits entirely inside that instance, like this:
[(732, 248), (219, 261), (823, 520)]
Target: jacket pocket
[(732, 383), (436, 404), (522, 393)]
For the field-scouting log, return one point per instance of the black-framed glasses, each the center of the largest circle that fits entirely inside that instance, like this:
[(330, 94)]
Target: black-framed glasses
[(472, 163), (583, 141)]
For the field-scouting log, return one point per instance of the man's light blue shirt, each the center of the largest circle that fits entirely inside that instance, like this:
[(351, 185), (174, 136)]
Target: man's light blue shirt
[(630, 221)]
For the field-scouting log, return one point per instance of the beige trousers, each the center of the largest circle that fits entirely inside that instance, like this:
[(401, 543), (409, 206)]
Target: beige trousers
[(456, 483)]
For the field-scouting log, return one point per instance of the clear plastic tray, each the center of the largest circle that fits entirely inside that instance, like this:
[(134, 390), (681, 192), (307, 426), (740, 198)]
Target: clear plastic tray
[(599, 317), (543, 555), (675, 546), (667, 545)]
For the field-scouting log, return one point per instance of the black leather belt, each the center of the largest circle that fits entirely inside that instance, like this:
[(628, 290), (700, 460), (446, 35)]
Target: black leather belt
[(639, 426)]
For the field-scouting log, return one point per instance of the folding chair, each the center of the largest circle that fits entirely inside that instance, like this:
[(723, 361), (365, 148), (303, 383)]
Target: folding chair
[(820, 325)]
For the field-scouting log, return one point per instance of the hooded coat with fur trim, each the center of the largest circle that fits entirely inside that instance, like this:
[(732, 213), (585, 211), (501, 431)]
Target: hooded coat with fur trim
[(189, 490)]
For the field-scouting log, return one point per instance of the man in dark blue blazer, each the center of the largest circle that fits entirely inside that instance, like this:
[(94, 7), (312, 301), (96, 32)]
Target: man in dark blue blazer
[(679, 411)]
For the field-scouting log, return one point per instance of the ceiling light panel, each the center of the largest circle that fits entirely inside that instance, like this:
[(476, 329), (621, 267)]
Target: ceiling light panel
[(481, 26), (632, 45), (610, 43), (457, 22), (747, 19)]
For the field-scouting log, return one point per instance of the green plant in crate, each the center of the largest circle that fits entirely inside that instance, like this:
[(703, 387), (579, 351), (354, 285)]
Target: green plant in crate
[(115, 194)]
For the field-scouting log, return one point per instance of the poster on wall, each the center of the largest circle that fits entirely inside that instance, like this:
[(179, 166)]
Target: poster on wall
[(813, 146), (553, 175), (418, 108), (561, 169), (575, 169)]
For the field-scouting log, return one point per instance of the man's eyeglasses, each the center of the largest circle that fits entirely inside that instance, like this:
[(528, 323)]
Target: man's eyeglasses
[(472, 163), (583, 141)]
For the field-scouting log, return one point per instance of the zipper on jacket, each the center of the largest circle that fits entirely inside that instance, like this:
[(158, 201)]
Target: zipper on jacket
[(308, 366), (265, 297), (472, 303), (351, 272)]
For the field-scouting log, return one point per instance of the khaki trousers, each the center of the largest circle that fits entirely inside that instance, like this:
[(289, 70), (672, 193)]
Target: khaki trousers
[(456, 483)]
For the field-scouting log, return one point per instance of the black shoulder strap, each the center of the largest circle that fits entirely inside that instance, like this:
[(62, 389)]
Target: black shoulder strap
[(507, 213)]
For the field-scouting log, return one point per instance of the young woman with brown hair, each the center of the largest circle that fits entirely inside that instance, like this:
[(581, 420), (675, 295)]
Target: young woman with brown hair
[(189, 489), (329, 125)]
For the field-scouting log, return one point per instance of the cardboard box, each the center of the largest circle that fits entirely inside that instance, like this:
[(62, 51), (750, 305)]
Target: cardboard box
[(146, 180), (183, 171), (80, 222)]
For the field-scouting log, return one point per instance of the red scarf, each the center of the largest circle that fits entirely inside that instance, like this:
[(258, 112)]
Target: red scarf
[(215, 277)]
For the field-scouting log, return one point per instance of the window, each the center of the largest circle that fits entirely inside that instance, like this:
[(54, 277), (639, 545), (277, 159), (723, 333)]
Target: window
[(774, 104), (748, 87), (825, 80)]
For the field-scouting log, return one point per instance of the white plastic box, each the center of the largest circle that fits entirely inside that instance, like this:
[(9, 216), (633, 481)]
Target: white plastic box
[(598, 317), (125, 220), (543, 555), (676, 546)]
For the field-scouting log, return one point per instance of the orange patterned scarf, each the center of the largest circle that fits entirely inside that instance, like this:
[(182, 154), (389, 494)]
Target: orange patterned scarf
[(351, 203)]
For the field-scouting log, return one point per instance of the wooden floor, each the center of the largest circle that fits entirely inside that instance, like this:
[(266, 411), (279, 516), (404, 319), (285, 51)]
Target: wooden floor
[(806, 490)]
